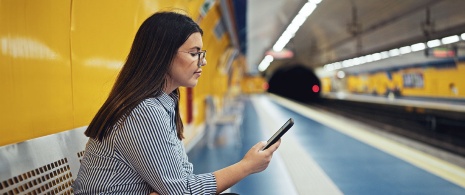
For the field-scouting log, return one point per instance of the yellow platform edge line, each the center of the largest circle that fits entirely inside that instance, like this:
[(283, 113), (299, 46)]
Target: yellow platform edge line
[(434, 165)]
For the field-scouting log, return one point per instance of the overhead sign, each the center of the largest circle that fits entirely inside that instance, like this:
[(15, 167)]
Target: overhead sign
[(441, 52), (283, 54)]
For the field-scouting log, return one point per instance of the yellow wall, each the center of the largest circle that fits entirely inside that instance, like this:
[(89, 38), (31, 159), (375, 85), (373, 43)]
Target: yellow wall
[(35, 69), (253, 84), (59, 60), (325, 84), (213, 81)]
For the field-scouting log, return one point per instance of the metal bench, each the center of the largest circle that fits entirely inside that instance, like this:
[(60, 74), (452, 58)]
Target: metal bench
[(45, 165)]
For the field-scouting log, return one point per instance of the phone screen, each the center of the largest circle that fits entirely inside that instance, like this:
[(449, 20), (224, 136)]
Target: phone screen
[(279, 133)]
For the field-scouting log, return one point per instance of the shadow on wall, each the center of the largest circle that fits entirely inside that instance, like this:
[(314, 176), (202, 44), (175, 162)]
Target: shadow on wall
[(298, 83)]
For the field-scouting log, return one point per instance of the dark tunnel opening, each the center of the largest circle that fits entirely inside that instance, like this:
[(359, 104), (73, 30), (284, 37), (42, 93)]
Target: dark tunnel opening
[(298, 83)]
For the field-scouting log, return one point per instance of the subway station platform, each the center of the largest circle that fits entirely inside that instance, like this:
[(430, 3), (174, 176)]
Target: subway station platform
[(325, 154)]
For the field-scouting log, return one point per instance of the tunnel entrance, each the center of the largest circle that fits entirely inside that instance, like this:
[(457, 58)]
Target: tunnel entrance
[(298, 83)]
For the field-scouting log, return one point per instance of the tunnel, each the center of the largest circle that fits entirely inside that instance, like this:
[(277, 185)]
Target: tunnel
[(298, 83)]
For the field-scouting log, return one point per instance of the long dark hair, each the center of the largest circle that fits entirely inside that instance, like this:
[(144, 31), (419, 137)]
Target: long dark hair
[(143, 75)]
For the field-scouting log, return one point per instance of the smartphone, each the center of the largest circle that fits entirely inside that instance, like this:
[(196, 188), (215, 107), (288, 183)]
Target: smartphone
[(279, 133)]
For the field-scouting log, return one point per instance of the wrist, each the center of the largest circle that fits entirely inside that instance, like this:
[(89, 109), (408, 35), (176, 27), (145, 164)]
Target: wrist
[(244, 167)]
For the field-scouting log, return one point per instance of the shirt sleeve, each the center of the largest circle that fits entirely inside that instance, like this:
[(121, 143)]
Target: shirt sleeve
[(147, 142)]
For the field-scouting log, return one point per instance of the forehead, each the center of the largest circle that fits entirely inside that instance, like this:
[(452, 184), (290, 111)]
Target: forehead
[(194, 41)]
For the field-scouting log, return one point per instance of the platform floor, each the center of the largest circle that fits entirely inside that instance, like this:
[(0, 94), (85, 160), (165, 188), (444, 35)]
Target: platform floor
[(325, 154)]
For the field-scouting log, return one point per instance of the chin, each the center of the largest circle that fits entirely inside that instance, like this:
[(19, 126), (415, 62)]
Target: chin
[(192, 84)]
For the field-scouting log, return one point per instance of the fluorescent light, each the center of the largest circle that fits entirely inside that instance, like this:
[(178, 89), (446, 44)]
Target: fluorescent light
[(394, 52), (265, 63), (451, 39), (356, 61), (316, 2), (294, 26), (362, 59), (347, 63), (329, 67), (384, 55), (376, 56), (433, 43), (463, 36), (369, 58), (418, 46), (405, 50)]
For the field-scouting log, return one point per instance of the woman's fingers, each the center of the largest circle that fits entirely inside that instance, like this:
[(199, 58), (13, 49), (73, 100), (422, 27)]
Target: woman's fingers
[(275, 146)]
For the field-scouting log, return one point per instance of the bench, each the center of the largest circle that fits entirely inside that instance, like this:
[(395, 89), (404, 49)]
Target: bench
[(50, 164), (229, 116), (44, 165)]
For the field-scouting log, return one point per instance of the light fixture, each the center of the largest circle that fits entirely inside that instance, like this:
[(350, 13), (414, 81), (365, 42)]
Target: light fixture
[(265, 63), (433, 43), (450, 39)]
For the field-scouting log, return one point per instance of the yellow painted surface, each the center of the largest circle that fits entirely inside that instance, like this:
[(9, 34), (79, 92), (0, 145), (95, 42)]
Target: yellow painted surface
[(325, 84), (437, 81), (59, 60), (253, 84), (213, 81), (436, 84), (99, 47), (35, 70)]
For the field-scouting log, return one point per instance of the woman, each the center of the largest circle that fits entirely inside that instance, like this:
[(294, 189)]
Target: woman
[(135, 138)]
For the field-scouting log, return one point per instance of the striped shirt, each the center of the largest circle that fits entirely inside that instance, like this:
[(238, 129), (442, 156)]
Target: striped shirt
[(141, 155)]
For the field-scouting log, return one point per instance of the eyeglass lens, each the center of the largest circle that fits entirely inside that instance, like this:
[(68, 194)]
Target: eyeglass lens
[(202, 56)]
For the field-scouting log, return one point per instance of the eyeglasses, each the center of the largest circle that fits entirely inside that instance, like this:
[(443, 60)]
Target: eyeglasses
[(202, 54)]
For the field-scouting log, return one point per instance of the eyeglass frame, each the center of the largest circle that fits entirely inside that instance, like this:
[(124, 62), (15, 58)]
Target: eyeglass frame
[(204, 52)]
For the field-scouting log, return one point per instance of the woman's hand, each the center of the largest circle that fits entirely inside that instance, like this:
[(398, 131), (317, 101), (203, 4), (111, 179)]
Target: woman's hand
[(257, 160), (254, 161)]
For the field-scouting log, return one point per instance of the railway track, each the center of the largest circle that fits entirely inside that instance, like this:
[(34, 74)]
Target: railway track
[(441, 130)]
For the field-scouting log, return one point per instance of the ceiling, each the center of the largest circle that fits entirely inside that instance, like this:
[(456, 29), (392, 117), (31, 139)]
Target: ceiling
[(343, 29)]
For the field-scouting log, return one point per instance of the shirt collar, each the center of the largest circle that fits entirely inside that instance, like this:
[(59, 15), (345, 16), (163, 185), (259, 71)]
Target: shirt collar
[(168, 99)]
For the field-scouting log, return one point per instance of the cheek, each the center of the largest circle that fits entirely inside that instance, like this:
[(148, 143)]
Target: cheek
[(183, 63)]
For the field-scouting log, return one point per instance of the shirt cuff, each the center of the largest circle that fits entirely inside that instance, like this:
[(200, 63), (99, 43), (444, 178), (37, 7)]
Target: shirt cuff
[(203, 184)]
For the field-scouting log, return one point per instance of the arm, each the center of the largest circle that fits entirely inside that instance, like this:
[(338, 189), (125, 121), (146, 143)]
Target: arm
[(254, 161)]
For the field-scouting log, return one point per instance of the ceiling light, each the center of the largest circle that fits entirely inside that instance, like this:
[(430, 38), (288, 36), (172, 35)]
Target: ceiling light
[(405, 50), (369, 58), (418, 46), (384, 54), (394, 52), (376, 56), (433, 43), (265, 63), (451, 39), (290, 31)]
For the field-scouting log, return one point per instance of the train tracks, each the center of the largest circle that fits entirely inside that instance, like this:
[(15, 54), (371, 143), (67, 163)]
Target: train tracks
[(440, 129)]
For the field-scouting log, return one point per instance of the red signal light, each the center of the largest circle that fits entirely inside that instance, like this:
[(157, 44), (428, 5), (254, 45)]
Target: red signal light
[(315, 89), (266, 86)]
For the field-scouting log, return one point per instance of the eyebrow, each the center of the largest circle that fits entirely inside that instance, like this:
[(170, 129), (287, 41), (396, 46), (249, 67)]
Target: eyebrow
[(195, 47)]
